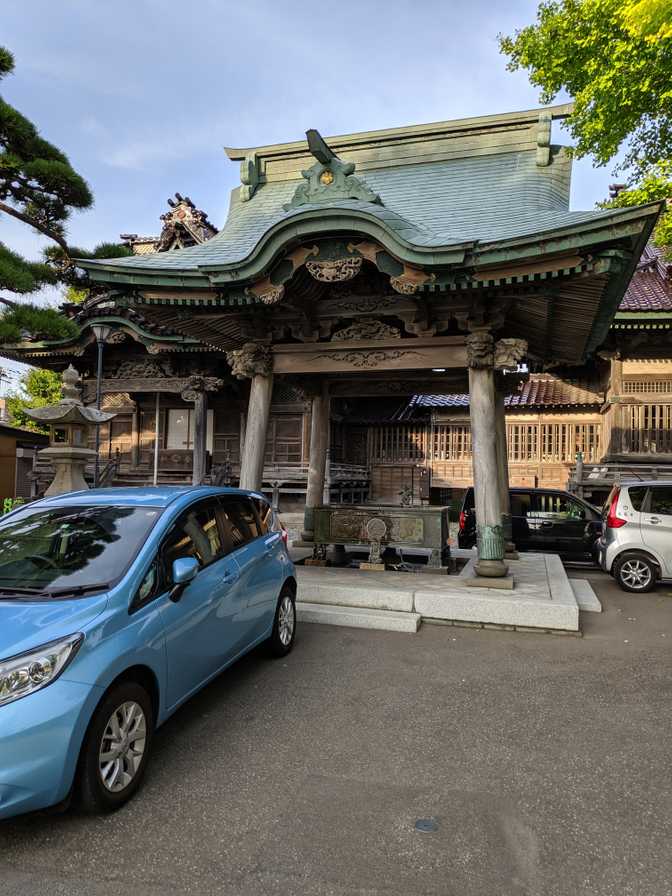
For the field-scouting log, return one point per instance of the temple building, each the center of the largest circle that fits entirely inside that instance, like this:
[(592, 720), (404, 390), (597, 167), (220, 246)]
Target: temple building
[(384, 314)]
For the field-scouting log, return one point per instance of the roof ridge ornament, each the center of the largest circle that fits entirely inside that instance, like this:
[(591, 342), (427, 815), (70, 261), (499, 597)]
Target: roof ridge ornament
[(329, 178)]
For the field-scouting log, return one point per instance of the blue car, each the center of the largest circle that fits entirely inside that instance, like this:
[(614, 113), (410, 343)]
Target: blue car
[(116, 605)]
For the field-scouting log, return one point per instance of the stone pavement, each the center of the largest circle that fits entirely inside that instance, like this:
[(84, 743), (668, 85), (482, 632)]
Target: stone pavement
[(544, 762)]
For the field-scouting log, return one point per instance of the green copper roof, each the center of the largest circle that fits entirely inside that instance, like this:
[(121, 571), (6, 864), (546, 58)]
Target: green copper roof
[(490, 180)]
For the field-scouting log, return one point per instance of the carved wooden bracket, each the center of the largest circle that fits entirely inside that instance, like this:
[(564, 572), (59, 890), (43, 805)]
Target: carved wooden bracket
[(509, 353), (251, 360), (480, 350), (367, 329), (197, 385), (267, 292), (336, 270)]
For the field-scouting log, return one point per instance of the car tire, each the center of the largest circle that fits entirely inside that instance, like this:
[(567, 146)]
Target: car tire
[(284, 624), (635, 573), (116, 749)]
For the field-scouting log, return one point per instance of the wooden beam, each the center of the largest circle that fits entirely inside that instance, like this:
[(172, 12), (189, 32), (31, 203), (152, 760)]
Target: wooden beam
[(367, 356)]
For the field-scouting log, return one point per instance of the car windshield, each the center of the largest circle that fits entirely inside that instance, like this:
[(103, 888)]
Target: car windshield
[(70, 549)]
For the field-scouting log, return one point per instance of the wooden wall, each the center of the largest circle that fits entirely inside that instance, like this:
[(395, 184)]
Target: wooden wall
[(7, 466)]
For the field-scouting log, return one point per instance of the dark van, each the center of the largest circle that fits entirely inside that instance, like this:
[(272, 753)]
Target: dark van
[(546, 520)]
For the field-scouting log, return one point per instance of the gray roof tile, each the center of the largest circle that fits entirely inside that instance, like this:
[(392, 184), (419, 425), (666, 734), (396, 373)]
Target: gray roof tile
[(477, 198)]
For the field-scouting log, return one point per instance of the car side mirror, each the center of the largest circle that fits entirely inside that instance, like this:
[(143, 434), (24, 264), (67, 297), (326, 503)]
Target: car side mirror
[(184, 571)]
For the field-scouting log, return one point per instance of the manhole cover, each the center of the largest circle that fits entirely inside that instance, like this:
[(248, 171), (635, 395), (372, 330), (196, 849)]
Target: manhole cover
[(426, 825)]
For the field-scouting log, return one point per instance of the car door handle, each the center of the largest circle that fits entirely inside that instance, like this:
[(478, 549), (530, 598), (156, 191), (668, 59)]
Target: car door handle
[(654, 520), (230, 575), (546, 524)]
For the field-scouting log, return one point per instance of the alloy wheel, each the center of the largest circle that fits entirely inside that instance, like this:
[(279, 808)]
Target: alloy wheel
[(286, 620), (636, 574), (122, 746)]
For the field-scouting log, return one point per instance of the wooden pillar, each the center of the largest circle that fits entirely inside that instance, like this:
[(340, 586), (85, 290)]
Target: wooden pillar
[(196, 392), (254, 361), (487, 501), (483, 357), (200, 437), (135, 436), (258, 413), (503, 463), (619, 441), (317, 463)]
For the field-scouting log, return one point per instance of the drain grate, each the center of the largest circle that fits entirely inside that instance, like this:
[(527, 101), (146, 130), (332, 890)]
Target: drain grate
[(426, 825)]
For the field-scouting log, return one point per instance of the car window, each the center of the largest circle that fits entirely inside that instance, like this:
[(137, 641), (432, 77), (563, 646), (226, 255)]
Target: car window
[(521, 503), (637, 495), (559, 507), (56, 548), (149, 587), (240, 520), (661, 499), (195, 534), (265, 514)]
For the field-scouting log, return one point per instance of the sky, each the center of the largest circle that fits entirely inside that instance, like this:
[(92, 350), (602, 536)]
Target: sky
[(143, 95)]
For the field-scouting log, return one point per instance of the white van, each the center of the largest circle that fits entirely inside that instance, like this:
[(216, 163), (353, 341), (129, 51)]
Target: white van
[(636, 542)]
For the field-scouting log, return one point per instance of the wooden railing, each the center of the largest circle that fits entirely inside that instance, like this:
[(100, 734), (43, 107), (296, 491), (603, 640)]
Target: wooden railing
[(108, 471)]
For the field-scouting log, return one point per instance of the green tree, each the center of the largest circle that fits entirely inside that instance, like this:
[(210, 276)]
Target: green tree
[(614, 58), (39, 187), (39, 388), (655, 184)]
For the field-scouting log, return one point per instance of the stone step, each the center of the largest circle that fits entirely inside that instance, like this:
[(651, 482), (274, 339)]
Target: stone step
[(585, 596), (358, 617), (355, 593)]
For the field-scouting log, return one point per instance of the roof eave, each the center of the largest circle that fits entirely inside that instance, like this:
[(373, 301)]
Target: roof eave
[(636, 223)]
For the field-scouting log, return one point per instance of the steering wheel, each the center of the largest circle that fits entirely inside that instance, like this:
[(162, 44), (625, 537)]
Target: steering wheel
[(40, 560)]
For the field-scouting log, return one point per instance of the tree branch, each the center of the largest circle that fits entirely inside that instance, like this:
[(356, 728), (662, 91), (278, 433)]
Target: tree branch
[(47, 231)]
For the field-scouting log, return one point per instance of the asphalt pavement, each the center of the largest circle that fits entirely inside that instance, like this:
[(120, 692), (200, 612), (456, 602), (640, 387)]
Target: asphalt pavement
[(541, 762)]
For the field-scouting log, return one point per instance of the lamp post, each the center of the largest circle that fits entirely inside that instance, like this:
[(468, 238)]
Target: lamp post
[(102, 334)]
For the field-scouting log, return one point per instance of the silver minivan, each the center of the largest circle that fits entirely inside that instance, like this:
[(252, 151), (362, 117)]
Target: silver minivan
[(636, 542)]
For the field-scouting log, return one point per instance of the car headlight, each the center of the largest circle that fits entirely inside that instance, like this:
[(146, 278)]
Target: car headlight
[(22, 675)]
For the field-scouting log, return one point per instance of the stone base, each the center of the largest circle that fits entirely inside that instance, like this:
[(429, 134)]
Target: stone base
[(503, 583), (311, 561), (512, 555), (69, 464), (491, 569), (372, 567), (543, 599)]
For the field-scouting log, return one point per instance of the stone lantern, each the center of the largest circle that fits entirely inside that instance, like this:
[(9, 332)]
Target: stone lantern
[(69, 424)]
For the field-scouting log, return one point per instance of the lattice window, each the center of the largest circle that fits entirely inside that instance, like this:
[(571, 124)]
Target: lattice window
[(391, 444), (649, 428), (523, 441), (451, 441), (586, 438), (284, 440), (634, 387)]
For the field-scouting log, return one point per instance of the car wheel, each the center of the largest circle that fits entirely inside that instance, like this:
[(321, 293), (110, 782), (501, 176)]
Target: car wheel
[(284, 625), (636, 574), (116, 749)]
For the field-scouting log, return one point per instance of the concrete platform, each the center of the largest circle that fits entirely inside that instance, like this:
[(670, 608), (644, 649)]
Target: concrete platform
[(542, 598)]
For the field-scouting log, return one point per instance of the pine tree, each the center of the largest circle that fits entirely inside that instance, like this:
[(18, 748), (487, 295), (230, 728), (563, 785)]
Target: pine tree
[(39, 187)]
